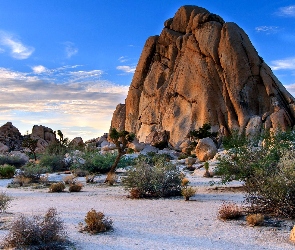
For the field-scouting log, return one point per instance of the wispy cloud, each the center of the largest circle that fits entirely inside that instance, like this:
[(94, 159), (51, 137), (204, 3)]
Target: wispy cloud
[(70, 49), (33, 99), (126, 69), (283, 64), (267, 29), (123, 59), (288, 11), (39, 69), (17, 49), (291, 88)]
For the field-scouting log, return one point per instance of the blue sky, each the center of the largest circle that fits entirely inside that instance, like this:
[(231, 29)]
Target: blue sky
[(67, 64)]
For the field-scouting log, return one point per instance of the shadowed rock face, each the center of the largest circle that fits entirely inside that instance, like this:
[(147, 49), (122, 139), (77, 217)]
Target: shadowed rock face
[(202, 70)]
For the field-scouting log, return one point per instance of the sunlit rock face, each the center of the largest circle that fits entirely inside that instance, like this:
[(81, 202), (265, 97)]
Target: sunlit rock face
[(199, 70)]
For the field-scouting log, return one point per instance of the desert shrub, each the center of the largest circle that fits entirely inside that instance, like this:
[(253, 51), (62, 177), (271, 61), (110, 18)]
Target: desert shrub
[(90, 178), (69, 179), (229, 211), (76, 187), (112, 179), (34, 171), (234, 140), (202, 132), (153, 177), (38, 232), (21, 180), (188, 192), (53, 162), (80, 172), (7, 171), (96, 222), (57, 187), (255, 219), (12, 160), (272, 190), (96, 162), (5, 201), (134, 193)]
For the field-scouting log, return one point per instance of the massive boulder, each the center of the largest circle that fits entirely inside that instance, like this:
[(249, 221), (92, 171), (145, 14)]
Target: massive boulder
[(10, 137), (202, 70), (45, 137)]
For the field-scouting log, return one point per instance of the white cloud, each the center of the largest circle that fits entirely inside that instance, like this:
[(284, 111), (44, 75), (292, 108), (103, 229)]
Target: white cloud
[(17, 49), (291, 88), (30, 98), (123, 59), (70, 49), (39, 69), (127, 69), (288, 11), (267, 29), (288, 63)]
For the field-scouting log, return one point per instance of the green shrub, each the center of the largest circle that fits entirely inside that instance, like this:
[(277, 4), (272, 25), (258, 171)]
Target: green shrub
[(100, 163), (153, 177), (54, 162), (96, 222), (12, 160), (4, 201), (7, 171), (34, 171), (37, 232), (234, 140), (57, 187)]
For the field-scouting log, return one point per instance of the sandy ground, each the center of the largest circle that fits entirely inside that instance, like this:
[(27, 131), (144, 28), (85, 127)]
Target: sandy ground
[(149, 223)]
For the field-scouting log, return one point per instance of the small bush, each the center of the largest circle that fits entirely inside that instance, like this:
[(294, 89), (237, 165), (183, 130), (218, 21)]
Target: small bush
[(37, 232), (5, 201), (21, 180), (80, 172), (188, 192), (57, 187), (53, 162), (96, 222), (69, 179), (153, 177), (7, 171), (229, 211), (134, 193), (34, 171), (90, 178), (75, 187), (12, 160), (255, 219)]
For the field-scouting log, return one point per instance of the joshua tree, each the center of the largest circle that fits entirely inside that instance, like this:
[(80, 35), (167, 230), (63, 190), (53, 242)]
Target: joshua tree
[(120, 139), (31, 144)]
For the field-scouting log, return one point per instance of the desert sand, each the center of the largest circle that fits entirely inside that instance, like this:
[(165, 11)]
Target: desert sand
[(166, 223)]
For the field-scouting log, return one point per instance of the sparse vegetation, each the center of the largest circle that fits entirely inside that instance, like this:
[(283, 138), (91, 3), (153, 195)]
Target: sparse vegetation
[(7, 171), (5, 201), (255, 219), (229, 211), (21, 180), (53, 162), (69, 179), (38, 232), (33, 171), (188, 192), (31, 144), (57, 187), (75, 187), (153, 177), (96, 222)]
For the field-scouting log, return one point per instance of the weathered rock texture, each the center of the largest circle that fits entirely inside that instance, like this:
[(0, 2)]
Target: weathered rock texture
[(202, 70), (10, 137), (45, 136)]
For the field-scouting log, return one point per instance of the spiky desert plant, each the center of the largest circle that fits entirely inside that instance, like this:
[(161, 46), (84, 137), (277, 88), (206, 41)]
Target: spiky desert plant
[(229, 211)]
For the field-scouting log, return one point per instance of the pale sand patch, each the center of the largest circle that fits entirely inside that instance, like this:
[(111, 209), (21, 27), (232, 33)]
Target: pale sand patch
[(170, 223)]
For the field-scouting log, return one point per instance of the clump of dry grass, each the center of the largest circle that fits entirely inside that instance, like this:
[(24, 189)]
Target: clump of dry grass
[(36, 232), (188, 192), (22, 180), (89, 178), (229, 211), (4, 201), (76, 187), (69, 179), (57, 187), (255, 219), (96, 222)]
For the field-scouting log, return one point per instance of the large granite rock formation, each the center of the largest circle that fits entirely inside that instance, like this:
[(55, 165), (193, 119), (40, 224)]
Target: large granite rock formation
[(44, 135), (202, 70), (10, 137)]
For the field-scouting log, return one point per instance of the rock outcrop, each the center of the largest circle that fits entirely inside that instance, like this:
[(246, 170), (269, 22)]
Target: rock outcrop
[(10, 137), (202, 70), (44, 135)]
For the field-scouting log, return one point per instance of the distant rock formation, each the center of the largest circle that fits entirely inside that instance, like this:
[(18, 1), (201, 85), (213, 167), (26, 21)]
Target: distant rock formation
[(202, 70), (44, 135), (10, 137)]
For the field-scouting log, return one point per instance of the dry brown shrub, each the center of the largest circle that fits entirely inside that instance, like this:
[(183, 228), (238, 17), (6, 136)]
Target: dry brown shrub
[(134, 193), (57, 187), (188, 192), (89, 178), (96, 222), (22, 180), (5, 201), (76, 187), (69, 179), (255, 219), (229, 211), (184, 182), (37, 232)]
